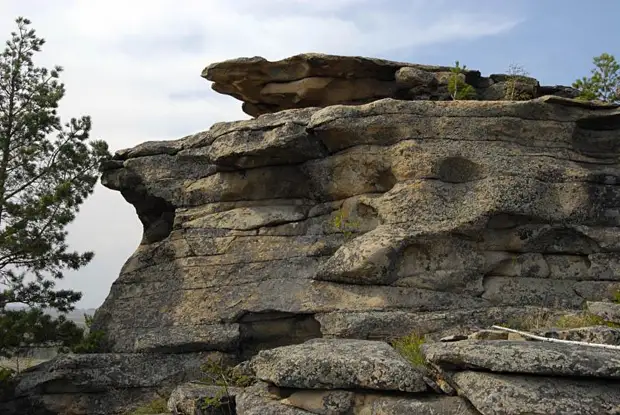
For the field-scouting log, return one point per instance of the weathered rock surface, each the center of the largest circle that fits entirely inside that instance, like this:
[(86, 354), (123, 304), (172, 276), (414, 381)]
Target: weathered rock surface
[(495, 394), (444, 405), (403, 212), (257, 400), (189, 399), (606, 310), (538, 358), (336, 402), (317, 80), (338, 364), (366, 221), (590, 334), (593, 334), (322, 402), (94, 384)]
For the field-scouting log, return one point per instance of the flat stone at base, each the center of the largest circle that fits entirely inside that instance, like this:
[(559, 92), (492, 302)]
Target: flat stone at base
[(606, 310), (257, 400), (338, 364), (496, 394), (593, 334), (444, 405), (322, 402), (527, 357)]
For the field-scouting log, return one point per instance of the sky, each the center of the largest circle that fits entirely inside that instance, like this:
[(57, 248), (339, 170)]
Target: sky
[(134, 66)]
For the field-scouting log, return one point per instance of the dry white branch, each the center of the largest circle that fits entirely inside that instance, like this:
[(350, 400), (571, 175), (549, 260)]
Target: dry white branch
[(547, 339)]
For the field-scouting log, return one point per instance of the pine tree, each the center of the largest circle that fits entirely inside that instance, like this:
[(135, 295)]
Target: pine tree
[(47, 170), (457, 87), (604, 84)]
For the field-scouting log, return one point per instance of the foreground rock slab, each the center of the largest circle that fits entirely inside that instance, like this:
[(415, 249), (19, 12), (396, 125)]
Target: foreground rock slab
[(593, 334), (444, 405), (529, 357), (257, 400), (101, 384), (606, 310), (494, 394), (338, 364)]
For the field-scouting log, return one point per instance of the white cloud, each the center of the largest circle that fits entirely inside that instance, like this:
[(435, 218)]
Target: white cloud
[(128, 62)]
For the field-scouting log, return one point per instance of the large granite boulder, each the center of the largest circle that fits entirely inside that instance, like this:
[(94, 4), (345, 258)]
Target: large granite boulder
[(366, 222), (526, 357), (101, 384), (338, 364), (495, 394), (317, 80)]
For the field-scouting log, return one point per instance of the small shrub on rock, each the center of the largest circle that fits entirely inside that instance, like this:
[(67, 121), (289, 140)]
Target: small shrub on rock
[(458, 88), (344, 224), (410, 348), (219, 374), (584, 319), (604, 84), (157, 406), (517, 77), (546, 319), (92, 341)]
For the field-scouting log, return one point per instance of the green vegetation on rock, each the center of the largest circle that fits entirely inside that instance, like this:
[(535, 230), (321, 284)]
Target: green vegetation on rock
[(458, 88), (217, 373), (344, 224), (93, 341), (604, 84), (517, 78), (409, 347), (546, 319), (156, 406)]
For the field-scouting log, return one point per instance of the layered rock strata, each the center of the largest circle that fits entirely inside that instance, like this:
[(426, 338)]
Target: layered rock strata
[(488, 377), (366, 222), (318, 80)]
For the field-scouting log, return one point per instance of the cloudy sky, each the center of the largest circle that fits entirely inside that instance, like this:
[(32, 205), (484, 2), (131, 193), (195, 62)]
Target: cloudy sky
[(134, 66)]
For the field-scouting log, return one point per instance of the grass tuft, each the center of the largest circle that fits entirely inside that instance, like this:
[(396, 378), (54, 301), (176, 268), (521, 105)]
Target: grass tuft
[(157, 406), (410, 348)]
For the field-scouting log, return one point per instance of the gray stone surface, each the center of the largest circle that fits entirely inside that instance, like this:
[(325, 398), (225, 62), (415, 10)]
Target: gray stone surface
[(606, 310), (338, 364), (322, 402), (439, 405), (312, 79), (494, 394), (527, 357), (593, 334), (489, 335), (343, 221), (103, 383), (258, 400)]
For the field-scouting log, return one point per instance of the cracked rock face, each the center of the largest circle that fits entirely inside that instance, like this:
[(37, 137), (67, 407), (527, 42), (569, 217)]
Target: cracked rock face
[(526, 357), (366, 222), (318, 80), (492, 393), (338, 364)]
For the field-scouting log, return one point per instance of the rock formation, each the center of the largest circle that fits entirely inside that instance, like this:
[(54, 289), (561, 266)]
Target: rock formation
[(363, 221), (316, 80), (405, 212), (498, 377)]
